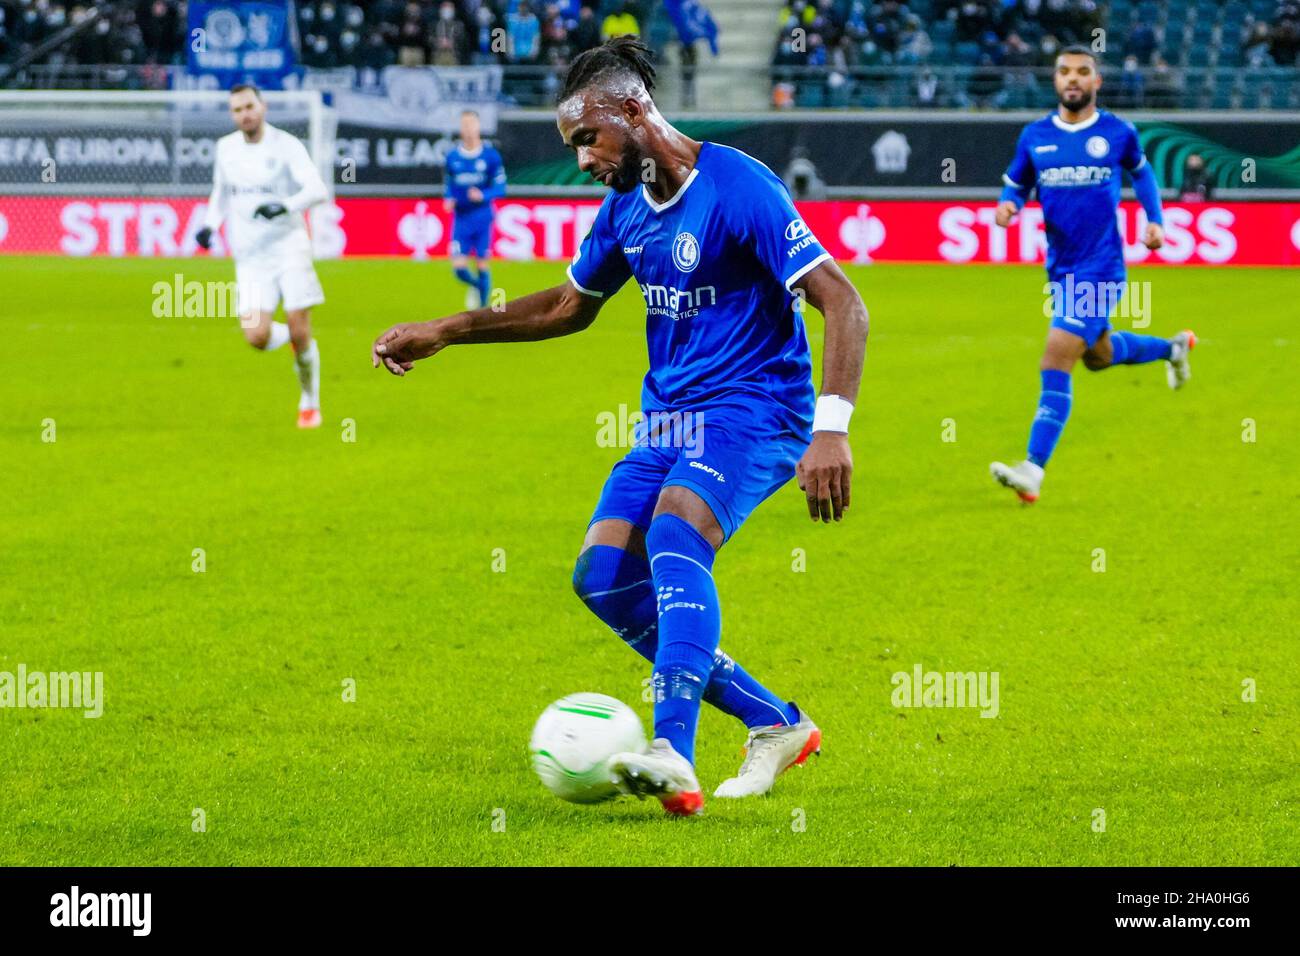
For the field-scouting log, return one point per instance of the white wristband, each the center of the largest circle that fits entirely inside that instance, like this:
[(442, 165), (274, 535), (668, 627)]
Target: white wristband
[(832, 414)]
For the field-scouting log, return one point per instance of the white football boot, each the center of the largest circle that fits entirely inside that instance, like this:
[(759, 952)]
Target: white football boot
[(769, 752), (472, 299), (1025, 478), (1177, 369), (659, 772)]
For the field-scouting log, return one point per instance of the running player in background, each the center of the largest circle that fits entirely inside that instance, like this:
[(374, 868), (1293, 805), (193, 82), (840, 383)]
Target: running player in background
[(262, 181), (1075, 158), (475, 177), (724, 263)]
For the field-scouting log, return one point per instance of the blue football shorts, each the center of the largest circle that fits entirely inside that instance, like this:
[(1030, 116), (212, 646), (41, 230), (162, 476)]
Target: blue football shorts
[(1082, 306), (734, 455)]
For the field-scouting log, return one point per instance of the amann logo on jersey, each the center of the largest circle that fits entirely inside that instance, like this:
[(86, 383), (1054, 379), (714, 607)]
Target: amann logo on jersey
[(1074, 175), (677, 304)]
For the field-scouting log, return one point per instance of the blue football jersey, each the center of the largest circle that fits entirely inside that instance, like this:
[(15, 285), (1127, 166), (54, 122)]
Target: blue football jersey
[(1077, 172), (715, 264), (482, 169)]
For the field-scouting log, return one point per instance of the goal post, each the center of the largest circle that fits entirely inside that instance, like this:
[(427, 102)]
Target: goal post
[(62, 146)]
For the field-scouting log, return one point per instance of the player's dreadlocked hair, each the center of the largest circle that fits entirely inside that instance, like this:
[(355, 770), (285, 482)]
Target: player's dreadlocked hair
[(625, 55)]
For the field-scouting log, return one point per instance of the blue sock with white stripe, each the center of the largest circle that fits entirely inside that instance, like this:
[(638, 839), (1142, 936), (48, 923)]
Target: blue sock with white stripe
[(1053, 412), (1129, 348), (615, 584), (690, 623)]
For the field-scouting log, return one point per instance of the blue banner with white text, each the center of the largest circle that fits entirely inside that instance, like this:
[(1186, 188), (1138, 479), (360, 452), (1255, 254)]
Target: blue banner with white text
[(243, 42)]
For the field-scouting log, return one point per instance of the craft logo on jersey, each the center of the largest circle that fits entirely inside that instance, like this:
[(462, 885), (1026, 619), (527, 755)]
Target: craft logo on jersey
[(1097, 146), (686, 252)]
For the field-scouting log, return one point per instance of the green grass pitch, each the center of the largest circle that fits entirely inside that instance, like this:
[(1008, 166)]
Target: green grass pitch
[(1121, 690)]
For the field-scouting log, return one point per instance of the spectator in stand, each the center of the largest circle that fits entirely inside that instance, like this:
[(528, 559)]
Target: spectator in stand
[(556, 48), (856, 28), (485, 42), (1196, 185), (1132, 85), (161, 31), (801, 11), (974, 19), (914, 44), (1162, 88), (886, 24), (523, 35), (985, 83), (1017, 53), (1048, 47), (376, 53), (621, 22), (1141, 43), (448, 36), (587, 33), (927, 89), (1284, 39), (829, 23), (412, 38)]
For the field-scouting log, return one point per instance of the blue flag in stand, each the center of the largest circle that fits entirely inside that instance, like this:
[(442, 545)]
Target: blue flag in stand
[(693, 22)]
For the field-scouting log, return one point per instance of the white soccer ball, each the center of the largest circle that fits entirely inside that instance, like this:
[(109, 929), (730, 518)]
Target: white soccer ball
[(573, 741)]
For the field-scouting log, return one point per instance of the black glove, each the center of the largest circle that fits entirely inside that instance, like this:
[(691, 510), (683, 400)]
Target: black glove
[(270, 210), (204, 237)]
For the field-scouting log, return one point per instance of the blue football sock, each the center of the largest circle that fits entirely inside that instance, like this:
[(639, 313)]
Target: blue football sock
[(732, 690), (465, 276), (1132, 349), (615, 584), (690, 623), (1053, 411), (484, 287)]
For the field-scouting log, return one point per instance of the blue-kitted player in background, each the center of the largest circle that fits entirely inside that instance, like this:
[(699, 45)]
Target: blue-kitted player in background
[(724, 263), (1075, 158), (475, 177)]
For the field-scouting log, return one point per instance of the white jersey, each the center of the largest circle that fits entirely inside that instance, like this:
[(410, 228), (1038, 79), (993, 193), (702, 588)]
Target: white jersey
[(245, 175)]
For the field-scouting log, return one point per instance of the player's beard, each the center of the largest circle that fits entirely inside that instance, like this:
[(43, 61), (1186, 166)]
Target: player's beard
[(628, 174), (1083, 98)]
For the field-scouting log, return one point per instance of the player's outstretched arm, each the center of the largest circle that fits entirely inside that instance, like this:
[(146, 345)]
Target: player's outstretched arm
[(561, 310), (826, 468)]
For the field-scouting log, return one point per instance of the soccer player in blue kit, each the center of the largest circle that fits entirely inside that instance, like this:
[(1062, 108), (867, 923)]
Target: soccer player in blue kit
[(1074, 158), (475, 177), (724, 262)]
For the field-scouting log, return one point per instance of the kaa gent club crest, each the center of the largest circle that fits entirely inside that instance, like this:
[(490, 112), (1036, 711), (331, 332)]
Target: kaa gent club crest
[(686, 251)]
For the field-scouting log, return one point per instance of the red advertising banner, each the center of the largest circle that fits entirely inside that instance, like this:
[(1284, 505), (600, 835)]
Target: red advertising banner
[(526, 229)]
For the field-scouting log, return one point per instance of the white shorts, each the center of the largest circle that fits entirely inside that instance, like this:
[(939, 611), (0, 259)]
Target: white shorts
[(261, 287)]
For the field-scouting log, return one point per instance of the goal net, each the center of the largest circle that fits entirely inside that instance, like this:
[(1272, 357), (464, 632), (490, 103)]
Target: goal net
[(126, 173)]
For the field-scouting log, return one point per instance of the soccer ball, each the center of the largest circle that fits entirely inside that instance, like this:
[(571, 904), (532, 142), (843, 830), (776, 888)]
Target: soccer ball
[(573, 741)]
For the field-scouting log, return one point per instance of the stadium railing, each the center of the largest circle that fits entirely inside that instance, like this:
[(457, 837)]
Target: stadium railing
[(944, 86)]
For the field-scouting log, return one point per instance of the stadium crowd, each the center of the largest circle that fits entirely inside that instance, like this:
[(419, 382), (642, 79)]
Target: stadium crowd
[(997, 45), (340, 34)]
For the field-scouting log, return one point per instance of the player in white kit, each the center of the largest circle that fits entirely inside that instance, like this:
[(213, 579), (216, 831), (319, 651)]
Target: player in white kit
[(262, 181)]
